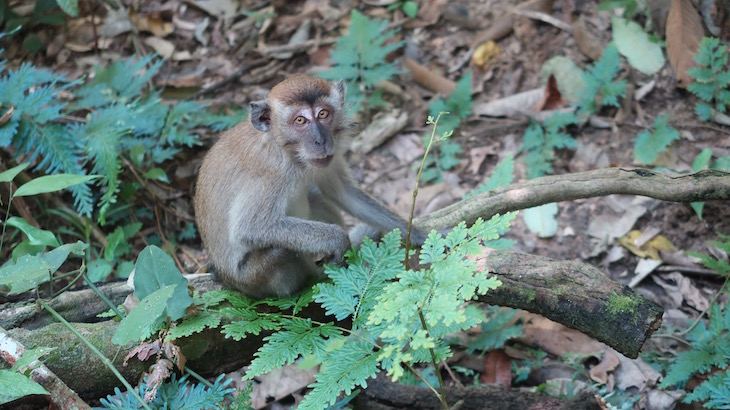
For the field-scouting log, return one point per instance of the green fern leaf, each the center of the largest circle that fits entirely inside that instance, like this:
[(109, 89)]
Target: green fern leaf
[(354, 288), (600, 86), (503, 175), (298, 338), (344, 369), (194, 324), (649, 144)]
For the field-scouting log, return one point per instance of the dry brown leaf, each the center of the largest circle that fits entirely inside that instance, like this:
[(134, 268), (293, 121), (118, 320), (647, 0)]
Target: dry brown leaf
[(552, 99), (485, 56), (609, 362), (429, 79), (684, 32), (588, 44), (497, 369)]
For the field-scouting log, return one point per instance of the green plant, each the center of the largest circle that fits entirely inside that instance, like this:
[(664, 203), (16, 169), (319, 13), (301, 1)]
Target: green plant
[(175, 394), (540, 142), (15, 383), (45, 12), (711, 78), (710, 345), (503, 175), (649, 143), (123, 119), (458, 105), (410, 8), (31, 267), (630, 7), (601, 88), (496, 330), (359, 59)]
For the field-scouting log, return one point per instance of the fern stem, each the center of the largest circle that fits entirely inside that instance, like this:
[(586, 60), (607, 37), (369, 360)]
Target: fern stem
[(442, 396), (7, 214), (96, 351), (415, 189)]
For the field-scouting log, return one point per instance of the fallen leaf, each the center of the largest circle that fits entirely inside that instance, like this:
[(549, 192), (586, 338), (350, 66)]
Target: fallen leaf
[(541, 220), (588, 44), (568, 75), (485, 55), (693, 296), (552, 99), (684, 32), (609, 363), (152, 23), (161, 46), (512, 105), (650, 249), (497, 369)]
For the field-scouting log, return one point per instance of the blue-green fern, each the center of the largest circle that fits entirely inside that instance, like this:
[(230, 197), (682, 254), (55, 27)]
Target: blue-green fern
[(711, 78), (601, 88), (122, 115), (541, 140), (359, 58), (177, 394)]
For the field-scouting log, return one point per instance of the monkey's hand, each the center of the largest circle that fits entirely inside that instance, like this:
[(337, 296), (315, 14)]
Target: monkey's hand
[(338, 252)]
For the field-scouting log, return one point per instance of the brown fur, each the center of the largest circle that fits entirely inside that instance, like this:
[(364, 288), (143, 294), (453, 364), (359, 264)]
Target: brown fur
[(265, 203)]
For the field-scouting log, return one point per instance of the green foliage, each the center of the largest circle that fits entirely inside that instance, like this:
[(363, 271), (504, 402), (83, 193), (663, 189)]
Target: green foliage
[(601, 89), (45, 12), (15, 383), (458, 105), (384, 303), (176, 394), (649, 143), (124, 117), (540, 142), (410, 8), (162, 291), (503, 175), (710, 347), (711, 78), (496, 331), (630, 7), (359, 59)]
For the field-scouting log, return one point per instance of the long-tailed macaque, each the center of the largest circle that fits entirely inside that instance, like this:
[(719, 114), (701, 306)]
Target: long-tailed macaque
[(269, 192)]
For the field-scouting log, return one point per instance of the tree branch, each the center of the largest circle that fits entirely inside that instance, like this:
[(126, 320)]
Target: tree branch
[(701, 186)]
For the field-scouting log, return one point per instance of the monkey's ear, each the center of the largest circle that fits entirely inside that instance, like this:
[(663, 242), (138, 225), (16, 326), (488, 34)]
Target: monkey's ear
[(341, 88), (260, 115)]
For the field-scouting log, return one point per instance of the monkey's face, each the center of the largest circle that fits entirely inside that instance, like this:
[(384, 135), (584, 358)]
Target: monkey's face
[(312, 134)]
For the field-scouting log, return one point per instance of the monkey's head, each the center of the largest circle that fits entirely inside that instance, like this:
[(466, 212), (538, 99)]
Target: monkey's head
[(305, 115)]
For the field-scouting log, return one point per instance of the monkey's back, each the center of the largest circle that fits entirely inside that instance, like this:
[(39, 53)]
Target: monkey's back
[(240, 179)]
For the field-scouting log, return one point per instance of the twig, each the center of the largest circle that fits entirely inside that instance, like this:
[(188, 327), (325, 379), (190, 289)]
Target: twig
[(228, 80), (544, 17), (269, 50)]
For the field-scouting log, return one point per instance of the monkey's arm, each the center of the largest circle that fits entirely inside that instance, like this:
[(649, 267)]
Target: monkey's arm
[(342, 190), (311, 237)]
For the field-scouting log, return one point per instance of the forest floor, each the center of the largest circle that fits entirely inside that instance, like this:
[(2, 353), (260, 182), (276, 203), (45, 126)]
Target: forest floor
[(206, 43)]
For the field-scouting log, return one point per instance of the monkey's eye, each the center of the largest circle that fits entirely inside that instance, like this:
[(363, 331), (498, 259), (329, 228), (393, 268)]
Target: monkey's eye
[(323, 114), (300, 120)]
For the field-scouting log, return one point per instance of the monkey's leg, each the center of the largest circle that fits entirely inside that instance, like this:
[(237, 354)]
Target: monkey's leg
[(361, 231), (274, 272)]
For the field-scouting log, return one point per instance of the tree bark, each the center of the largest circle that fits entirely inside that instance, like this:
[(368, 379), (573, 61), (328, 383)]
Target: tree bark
[(383, 394), (704, 185)]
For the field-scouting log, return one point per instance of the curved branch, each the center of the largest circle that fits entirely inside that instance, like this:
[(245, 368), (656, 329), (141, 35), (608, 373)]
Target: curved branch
[(701, 186)]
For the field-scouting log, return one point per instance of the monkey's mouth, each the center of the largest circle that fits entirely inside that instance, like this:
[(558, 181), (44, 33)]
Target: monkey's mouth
[(321, 162)]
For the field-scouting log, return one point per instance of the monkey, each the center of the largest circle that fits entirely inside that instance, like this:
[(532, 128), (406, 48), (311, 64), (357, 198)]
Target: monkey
[(270, 192)]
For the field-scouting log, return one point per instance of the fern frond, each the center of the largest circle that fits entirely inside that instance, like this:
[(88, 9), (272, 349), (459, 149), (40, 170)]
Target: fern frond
[(194, 324), (298, 338), (600, 88), (649, 144), (355, 287), (344, 369)]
